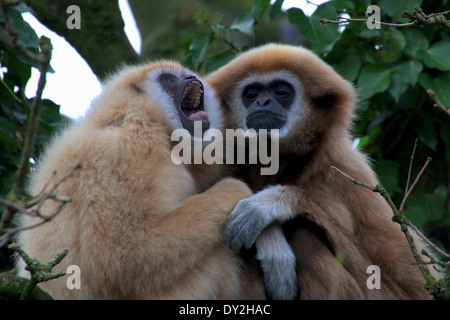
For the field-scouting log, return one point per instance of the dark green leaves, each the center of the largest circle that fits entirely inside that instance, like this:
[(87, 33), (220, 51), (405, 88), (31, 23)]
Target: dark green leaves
[(349, 67), (244, 23), (440, 85), (388, 174), (395, 8), (393, 44), (199, 48), (310, 26), (218, 60), (437, 56), (373, 79)]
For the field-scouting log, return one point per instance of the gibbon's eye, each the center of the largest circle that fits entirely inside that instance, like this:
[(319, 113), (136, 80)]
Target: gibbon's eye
[(166, 78), (251, 96), (252, 92), (281, 89), (282, 94)]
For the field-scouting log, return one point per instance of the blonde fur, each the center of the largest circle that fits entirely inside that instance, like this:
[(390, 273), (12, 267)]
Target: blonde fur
[(137, 226), (323, 213)]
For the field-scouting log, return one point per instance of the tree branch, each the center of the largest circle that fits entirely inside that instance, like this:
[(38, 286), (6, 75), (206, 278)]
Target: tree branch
[(437, 103), (44, 57), (434, 286), (101, 40), (417, 17), (33, 207), (40, 272)]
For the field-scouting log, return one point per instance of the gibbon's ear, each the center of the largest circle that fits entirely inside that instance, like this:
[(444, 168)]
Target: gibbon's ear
[(324, 102)]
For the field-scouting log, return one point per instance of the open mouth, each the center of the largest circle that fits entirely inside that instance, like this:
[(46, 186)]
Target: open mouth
[(192, 101), (191, 106)]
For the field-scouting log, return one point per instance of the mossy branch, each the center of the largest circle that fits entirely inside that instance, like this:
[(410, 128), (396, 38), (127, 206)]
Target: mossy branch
[(436, 287), (40, 272)]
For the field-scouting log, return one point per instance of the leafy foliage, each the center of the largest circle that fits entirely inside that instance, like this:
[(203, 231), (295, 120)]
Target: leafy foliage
[(15, 106)]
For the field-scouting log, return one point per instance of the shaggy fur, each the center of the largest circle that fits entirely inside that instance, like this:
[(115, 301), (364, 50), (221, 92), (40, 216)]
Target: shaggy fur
[(137, 227), (323, 213)]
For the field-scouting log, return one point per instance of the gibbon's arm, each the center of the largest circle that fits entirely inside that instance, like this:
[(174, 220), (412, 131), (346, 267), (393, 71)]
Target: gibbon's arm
[(278, 264), (192, 230), (279, 204)]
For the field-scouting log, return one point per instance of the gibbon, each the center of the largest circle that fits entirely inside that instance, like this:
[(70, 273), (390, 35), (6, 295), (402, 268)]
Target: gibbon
[(137, 226), (323, 215)]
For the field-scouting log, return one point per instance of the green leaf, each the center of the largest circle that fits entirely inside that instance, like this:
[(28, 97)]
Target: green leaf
[(244, 23), (7, 132), (425, 131), (393, 44), (199, 48), (388, 174), (349, 66), (440, 85), (398, 86), (434, 204), (18, 72), (259, 8), (275, 11), (417, 215), (49, 113), (26, 35), (415, 40), (310, 27), (369, 33), (445, 136), (438, 56), (395, 8), (410, 70), (219, 60), (374, 78)]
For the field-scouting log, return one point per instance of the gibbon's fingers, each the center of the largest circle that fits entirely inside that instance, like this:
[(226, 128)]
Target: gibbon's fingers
[(253, 214), (278, 264)]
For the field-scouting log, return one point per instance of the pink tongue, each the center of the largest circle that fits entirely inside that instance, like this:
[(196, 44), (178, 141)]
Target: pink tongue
[(201, 115)]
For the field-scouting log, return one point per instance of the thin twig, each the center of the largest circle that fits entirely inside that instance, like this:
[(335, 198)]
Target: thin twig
[(49, 193), (431, 244), (417, 17), (32, 207), (402, 205), (437, 103), (410, 165), (342, 20)]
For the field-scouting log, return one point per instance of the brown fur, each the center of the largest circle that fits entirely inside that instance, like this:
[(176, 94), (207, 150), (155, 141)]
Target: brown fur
[(332, 214), (136, 226)]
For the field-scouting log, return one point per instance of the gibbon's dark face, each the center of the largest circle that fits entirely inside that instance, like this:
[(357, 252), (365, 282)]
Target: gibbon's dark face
[(267, 105), (188, 96)]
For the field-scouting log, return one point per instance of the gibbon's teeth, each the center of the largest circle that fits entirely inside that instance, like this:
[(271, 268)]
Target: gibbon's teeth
[(192, 96)]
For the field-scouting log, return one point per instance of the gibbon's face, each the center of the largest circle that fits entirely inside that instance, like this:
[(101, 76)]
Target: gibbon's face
[(269, 101), (183, 97)]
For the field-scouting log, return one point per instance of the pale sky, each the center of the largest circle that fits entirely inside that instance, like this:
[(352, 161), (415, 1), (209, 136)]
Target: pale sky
[(73, 85)]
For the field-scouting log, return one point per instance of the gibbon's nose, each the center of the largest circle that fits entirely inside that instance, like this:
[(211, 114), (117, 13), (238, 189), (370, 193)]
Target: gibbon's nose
[(190, 78), (263, 100)]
